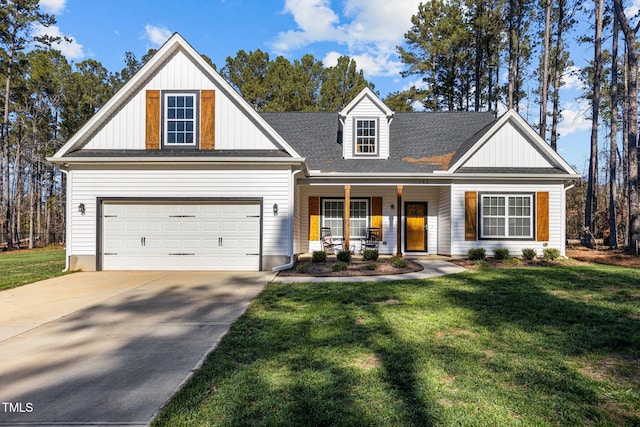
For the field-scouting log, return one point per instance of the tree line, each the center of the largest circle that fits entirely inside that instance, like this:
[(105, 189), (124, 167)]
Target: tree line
[(472, 55)]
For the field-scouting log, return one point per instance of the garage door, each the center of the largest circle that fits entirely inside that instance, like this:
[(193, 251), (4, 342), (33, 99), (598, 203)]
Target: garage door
[(181, 236)]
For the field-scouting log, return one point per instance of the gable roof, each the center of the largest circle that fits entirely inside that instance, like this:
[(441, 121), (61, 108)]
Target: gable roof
[(420, 143), (175, 43), (476, 142), (366, 93)]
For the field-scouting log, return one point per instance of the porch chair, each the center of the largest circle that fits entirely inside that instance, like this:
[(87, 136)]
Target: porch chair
[(372, 241), (329, 245)]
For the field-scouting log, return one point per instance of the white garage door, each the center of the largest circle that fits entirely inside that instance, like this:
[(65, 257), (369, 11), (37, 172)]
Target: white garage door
[(181, 236)]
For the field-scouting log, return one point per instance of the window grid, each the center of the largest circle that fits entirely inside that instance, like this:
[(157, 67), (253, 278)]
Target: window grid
[(366, 137), (333, 211), (507, 216), (180, 119)]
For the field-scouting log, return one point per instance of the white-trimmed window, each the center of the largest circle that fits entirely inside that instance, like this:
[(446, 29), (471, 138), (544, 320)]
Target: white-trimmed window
[(366, 141), (333, 211), (180, 119), (506, 216)]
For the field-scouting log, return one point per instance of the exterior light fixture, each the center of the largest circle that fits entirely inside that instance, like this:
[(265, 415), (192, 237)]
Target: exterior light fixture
[(275, 209), (82, 209)]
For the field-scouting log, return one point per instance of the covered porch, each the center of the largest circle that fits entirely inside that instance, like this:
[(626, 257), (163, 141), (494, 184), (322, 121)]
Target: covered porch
[(411, 218)]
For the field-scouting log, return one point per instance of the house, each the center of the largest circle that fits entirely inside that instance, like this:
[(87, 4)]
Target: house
[(177, 171)]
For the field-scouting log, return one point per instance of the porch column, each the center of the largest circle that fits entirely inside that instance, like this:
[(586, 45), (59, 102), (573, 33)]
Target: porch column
[(347, 215), (399, 223)]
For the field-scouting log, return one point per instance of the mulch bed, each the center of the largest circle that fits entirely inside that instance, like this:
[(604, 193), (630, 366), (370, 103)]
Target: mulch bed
[(357, 267)]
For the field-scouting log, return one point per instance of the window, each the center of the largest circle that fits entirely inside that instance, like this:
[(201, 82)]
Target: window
[(180, 119), (507, 216), (366, 138), (333, 211)]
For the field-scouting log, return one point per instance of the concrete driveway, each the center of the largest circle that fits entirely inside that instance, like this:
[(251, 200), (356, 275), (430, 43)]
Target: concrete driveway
[(111, 347)]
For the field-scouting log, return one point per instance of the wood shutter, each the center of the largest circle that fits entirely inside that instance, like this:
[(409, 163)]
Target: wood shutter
[(470, 215), (207, 119), (376, 214), (314, 218), (152, 117), (542, 216)]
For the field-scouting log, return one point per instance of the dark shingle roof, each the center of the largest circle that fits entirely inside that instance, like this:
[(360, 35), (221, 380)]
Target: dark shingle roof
[(419, 142)]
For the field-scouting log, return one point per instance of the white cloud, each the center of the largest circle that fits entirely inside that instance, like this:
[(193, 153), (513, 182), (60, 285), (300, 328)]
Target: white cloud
[(67, 45), (572, 81), (633, 8), (156, 35), (370, 30), (54, 7), (574, 118)]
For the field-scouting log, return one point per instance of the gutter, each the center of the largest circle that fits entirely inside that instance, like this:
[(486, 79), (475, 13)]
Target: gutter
[(292, 192), (179, 160)]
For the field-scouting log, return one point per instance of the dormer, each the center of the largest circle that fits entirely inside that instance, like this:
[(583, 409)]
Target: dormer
[(365, 123)]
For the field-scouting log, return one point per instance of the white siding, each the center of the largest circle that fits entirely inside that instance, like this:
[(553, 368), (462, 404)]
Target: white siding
[(270, 185), (126, 129), (366, 109), (556, 219), (508, 147), (444, 220)]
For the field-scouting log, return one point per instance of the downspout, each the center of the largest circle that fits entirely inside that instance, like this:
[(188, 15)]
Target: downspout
[(67, 230), (292, 192), (564, 226)]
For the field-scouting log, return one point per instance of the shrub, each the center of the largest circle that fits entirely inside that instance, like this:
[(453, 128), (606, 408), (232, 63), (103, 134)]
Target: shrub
[(398, 262), (550, 254), (529, 254), (501, 253), (476, 254), (370, 254), (482, 264), (319, 256), (372, 266), (513, 262), (344, 256), (339, 266), (302, 268)]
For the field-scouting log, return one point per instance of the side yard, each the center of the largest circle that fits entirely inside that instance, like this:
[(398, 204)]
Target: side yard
[(556, 345), (26, 266)]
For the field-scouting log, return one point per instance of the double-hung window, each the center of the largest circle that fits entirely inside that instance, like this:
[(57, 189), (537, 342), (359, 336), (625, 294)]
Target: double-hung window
[(333, 212), (366, 141), (506, 216), (180, 119)]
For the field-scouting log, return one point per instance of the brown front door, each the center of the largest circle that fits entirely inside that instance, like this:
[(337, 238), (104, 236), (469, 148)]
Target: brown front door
[(416, 227)]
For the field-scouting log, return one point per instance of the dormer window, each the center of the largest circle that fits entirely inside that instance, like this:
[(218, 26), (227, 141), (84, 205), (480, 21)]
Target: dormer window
[(180, 120), (366, 138)]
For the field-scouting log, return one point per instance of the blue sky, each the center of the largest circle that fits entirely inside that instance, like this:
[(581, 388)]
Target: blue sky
[(367, 30)]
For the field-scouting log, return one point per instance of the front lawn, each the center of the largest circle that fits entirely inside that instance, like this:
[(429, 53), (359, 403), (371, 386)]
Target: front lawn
[(27, 266), (526, 346)]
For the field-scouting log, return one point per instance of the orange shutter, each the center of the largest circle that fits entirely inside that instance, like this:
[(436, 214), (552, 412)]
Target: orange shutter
[(376, 213), (314, 218), (470, 215), (542, 216), (207, 119), (152, 133)]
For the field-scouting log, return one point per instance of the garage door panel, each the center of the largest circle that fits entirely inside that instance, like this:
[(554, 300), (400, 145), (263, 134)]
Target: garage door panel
[(211, 236)]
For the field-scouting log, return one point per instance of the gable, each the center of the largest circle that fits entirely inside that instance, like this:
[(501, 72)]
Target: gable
[(365, 121), (508, 148), (136, 119)]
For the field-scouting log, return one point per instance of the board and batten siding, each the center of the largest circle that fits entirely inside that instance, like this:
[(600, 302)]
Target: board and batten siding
[(125, 130), (366, 109), (508, 148), (270, 185), (557, 230)]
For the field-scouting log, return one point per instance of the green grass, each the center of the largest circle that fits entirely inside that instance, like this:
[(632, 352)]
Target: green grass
[(524, 346), (21, 267)]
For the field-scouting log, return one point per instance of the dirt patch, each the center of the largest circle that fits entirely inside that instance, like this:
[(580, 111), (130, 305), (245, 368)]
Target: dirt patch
[(603, 256), (357, 267)]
